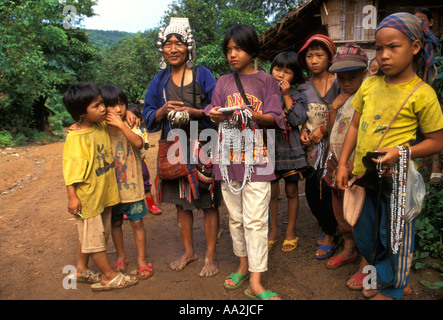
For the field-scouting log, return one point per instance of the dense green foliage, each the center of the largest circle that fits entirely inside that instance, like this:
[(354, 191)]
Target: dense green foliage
[(39, 57), (106, 38)]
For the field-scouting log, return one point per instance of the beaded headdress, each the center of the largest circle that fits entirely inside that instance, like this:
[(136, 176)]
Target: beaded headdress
[(181, 27)]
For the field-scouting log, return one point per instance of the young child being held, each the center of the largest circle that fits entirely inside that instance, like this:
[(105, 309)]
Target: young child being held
[(127, 146), (91, 185), (401, 41), (350, 65), (248, 204), (290, 157)]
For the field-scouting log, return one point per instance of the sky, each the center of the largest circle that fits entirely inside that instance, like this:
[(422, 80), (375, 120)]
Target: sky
[(127, 15)]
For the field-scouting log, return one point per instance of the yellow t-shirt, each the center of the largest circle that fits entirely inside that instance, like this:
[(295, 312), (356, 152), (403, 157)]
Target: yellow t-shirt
[(378, 102), (88, 164)]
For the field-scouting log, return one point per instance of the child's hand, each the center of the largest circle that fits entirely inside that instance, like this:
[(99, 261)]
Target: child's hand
[(114, 120), (316, 136), (341, 177), (390, 158), (132, 119), (304, 137), (339, 101), (285, 87), (217, 116), (74, 127), (74, 206)]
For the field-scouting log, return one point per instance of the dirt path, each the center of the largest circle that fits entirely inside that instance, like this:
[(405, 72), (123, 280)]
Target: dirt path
[(38, 240)]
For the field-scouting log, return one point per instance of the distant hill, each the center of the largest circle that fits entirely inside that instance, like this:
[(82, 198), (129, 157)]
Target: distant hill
[(103, 38)]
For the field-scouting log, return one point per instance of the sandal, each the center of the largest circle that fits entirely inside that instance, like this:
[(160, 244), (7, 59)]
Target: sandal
[(238, 278), (359, 278), (271, 244), (120, 281), (291, 243), (329, 251), (265, 295), (89, 276), (148, 268), (337, 261), (120, 266)]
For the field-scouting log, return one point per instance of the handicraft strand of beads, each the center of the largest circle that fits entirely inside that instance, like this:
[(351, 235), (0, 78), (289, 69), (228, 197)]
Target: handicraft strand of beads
[(237, 135), (398, 198), (177, 118)]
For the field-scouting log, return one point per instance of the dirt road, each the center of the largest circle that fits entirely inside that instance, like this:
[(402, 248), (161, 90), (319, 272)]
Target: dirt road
[(38, 240)]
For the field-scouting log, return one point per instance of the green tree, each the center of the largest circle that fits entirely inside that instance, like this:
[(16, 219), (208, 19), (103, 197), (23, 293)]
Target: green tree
[(39, 56), (131, 64)]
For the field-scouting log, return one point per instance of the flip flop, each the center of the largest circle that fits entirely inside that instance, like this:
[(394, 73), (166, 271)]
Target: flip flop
[(320, 238), (265, 295), (329, 251), (238, 278), (292, 243), (271, 244), (148, 267), (359, 278), (336, 262), (120, 266), (115, 283)]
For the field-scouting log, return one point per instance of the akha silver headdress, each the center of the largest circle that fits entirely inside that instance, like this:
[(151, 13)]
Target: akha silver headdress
[(181, 27)]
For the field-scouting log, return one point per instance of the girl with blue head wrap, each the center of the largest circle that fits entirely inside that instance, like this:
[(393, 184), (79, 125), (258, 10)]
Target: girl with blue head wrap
[(416, 29)]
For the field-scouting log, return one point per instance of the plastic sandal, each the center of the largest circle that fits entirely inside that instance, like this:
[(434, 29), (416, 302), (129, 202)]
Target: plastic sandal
[(329, 251), (148, 267), (292, 243), (120, 266), (265, 295), (238, 278), (121, 281)]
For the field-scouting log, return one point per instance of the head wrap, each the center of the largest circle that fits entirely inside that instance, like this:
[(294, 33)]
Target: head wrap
[(181, 27), (326, 41), (350, 57), (416, 29)]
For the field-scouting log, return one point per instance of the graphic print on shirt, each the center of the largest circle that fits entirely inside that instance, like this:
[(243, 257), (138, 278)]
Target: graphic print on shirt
[(122, 161), (103, 154), (260, 153)]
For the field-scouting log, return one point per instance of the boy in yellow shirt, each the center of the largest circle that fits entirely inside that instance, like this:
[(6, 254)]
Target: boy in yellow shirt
[(91, 185)]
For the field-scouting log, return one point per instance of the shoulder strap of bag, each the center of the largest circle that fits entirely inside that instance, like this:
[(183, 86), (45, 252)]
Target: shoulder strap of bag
[(401, 107), (240, 88)]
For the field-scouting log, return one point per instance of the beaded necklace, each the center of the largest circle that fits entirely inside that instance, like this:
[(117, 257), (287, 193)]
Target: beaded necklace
[(237, 136), (398, 197)]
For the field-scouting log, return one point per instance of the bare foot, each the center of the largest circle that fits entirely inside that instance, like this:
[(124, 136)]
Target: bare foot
[(209, 269), (181, 263)]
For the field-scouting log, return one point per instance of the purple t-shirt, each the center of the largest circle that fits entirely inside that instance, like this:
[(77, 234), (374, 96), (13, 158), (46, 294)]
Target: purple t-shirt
[(262, 91)]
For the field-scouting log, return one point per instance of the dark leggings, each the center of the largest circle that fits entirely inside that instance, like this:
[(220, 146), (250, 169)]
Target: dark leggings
[(320, 204)]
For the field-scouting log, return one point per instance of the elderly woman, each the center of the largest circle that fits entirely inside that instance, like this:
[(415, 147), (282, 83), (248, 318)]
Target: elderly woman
[(186, 89)]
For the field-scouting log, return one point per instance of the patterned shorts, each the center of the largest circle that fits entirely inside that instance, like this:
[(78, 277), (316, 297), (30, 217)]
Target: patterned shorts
[(133, 210)]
